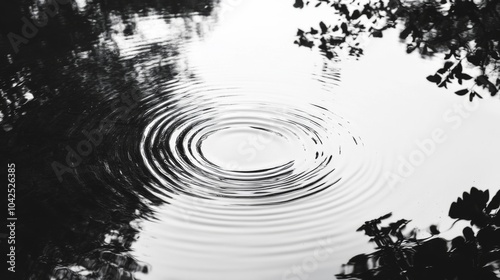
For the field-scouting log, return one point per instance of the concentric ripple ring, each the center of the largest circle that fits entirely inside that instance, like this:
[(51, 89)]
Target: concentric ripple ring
[(177, 146)]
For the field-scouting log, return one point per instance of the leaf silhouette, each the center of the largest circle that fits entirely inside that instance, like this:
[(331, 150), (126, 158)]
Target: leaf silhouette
[(298, 4), (410, 48), (474, 94), (356, 14), (345, 11), (343, 26), (494, 203), (470, 207), (434, 78), (462, 92), (448, 64), (405, 33), (434, 230), (464, 76), (377, 34), (374, 221), (493, 90), (398, 226), (323, 27), (386, 216)]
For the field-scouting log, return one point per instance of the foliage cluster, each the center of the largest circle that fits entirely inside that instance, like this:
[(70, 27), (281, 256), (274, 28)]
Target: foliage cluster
[(466, 32), (473, 255)]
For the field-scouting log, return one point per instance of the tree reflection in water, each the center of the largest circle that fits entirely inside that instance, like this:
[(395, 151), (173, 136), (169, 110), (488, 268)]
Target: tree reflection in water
[(81, 226)]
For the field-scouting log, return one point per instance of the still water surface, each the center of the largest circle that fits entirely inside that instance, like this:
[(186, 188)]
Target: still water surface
[(271, 150)]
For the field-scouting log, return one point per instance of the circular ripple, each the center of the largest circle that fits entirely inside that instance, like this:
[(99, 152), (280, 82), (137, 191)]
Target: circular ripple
[(228, 145)]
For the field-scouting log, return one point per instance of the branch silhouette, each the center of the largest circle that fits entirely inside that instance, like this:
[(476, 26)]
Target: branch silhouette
[(399, 256), (466, 32)]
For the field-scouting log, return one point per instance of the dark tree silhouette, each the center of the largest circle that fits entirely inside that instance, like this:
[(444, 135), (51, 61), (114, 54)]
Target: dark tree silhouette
[(467, 32), (66, 33)]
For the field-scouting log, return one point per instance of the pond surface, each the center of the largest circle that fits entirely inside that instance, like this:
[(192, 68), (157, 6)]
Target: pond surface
[(233, 154)]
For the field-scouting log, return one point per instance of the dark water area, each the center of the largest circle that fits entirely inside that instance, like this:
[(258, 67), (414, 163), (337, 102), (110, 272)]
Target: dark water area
[(189, 140), (68, 79)]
